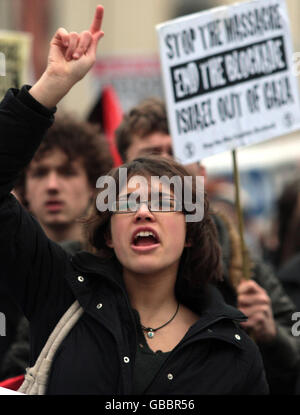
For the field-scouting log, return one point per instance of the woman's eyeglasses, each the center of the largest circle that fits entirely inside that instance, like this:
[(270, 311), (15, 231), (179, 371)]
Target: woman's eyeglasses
[(154, 205)]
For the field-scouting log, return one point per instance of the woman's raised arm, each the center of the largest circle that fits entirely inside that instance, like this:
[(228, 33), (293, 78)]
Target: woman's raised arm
[(28, 259)]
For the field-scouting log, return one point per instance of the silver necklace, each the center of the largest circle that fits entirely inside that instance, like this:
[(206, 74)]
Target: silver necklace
[(151, 331)]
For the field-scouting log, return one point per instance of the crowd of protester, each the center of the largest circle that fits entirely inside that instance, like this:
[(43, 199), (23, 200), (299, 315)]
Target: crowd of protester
[(243, 340)]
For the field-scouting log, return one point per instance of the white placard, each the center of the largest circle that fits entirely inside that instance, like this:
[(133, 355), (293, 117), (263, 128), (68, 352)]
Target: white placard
[(229, 78)]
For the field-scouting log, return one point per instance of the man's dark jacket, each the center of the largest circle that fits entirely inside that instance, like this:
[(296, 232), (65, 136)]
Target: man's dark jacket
[(98, 356)]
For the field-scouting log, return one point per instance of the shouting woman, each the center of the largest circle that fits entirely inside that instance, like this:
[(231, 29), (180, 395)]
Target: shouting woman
[(138, 316)]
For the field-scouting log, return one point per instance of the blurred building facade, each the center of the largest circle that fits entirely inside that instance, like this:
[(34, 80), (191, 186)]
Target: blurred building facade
[(129, 28)]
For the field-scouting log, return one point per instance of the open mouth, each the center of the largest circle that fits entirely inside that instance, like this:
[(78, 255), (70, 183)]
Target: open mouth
[(144, 240)]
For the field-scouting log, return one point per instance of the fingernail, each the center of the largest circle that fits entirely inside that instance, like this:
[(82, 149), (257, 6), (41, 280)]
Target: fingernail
[(75, 55)]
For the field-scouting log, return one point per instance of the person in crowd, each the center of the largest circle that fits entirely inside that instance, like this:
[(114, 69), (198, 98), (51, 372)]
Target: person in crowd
[(289, 276), (287, 224), (58, 187), (143, 131), (288, 251), (285, 257), (59, 184), (221, 193), (149, 321)]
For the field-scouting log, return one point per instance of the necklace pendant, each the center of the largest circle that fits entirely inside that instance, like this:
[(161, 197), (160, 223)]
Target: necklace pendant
[(150, 334)]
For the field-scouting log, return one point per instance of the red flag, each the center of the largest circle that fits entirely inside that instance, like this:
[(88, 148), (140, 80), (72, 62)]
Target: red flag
[(111, 117)]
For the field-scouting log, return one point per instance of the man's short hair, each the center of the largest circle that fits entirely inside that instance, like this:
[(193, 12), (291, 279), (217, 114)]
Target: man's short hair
[(148, 117), (78, 140)]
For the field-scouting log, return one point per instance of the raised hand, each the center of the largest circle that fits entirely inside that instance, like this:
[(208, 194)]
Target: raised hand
[(72, 53), (71, 56), (255, 303)]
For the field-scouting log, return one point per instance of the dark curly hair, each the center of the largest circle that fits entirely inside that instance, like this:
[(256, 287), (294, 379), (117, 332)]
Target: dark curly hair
[(78, 140), (148, 117), (201, 261)]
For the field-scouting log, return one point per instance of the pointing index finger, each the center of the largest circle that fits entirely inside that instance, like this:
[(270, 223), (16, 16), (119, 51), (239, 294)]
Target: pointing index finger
[(97, 21)]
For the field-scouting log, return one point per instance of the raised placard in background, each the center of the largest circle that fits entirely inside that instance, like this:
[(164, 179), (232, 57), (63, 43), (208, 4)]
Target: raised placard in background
[(228, 78)]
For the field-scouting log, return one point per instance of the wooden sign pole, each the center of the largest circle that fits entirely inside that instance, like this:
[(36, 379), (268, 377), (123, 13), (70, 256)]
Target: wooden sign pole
[(246, 271)]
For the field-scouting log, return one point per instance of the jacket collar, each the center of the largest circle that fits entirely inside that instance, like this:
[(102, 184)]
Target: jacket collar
[(109, 269), (207, 302)]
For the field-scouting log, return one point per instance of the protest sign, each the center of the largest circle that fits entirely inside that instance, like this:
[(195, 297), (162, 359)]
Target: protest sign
[(228, 78), (15, 48)]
